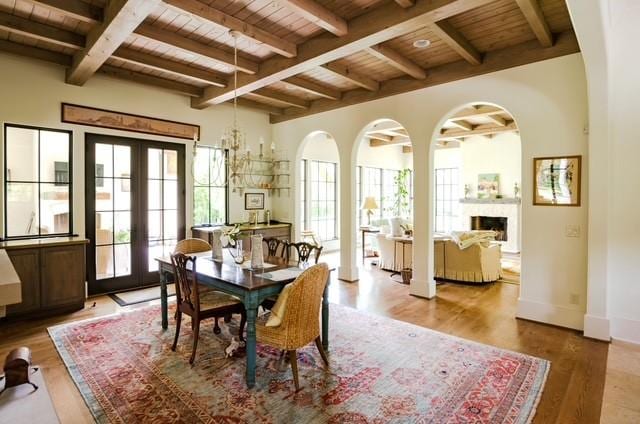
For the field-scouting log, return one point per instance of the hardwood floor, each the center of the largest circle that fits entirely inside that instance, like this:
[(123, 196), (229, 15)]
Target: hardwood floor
[(574, 388)]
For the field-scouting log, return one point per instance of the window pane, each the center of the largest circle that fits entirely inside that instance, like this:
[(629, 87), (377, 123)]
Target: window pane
[(104, 194), (155, 163), (122, 259), (154, 192), (170, 195), (170, 164), (54, 209), (22, 154), (54, 157), (201, 166), (122, 161), (122, 223), (201, 205), (218, 202), (22, 209), (170, 224), (154, 225), (104, 160), (122, 195), (104, 262), (104, 228)]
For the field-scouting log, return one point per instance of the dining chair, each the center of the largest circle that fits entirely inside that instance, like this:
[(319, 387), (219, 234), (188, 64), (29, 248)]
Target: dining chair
[(294, 320), (200, 306), (276, 248), (305, 250)]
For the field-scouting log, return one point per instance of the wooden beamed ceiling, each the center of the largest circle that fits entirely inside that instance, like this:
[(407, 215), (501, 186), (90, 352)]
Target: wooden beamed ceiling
[(295, 57)]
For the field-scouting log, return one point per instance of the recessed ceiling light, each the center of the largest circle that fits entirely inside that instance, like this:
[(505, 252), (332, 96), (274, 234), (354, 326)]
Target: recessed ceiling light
[(421, 44)]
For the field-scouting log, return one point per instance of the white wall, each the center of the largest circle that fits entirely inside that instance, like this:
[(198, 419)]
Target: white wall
[(386, 157), (548, 101), (32, 92), (500, 155)]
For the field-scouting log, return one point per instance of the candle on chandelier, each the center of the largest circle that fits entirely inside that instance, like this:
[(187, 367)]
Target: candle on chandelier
[(273, 147), (261, 141)]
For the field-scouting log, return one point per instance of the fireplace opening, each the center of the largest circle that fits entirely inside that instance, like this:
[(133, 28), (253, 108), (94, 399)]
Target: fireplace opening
[(492, 223)]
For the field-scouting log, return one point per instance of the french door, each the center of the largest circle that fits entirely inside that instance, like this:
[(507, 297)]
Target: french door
[(135, 209)]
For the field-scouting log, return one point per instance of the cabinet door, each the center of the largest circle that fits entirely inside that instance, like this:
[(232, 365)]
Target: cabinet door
[(63, 276), (27, 264)]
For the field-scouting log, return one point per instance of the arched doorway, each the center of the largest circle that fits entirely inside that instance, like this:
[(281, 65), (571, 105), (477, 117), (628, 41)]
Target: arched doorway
[(476, 172), (318, 189), (383, 204)]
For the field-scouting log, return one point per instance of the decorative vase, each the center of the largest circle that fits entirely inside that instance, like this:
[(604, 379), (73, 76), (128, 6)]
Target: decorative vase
[(216, 246), (257, 260)]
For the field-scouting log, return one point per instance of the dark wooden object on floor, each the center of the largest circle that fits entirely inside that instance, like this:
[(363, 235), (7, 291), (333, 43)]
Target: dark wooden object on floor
[(52, 272), (281, 231), (212, 304), (16, 368)]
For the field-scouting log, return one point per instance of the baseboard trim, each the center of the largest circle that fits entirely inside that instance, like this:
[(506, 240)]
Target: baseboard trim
[(596, 327), (625, 330), (561, 316), (349, 274)]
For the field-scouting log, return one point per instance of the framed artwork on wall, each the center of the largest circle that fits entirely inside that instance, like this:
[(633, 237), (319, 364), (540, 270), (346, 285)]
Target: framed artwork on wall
[(556, 181), (253, 201), (488, 185)]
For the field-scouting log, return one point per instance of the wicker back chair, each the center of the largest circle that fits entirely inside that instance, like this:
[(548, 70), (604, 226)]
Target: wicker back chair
[(306, 250), (197, 305), (300, 324), (191, 245)]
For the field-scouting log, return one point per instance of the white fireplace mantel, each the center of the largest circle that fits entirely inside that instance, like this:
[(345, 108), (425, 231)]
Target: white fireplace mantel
[(505, 208)]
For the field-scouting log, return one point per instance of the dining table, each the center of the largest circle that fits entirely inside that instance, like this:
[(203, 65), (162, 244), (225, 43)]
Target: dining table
[(251, 286)]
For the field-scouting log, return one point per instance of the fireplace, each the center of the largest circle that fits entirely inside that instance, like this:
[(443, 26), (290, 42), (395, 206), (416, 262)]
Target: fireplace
[(492, 223)]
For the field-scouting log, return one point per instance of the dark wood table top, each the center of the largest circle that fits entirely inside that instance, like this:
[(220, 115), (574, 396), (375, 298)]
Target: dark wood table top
[(229, 272)]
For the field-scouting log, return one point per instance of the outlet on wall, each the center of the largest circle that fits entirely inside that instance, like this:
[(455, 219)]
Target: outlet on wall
[(574, 299), (572, 230)]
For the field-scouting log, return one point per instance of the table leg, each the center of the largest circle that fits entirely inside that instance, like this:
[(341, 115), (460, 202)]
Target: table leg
[(163, 299), (251, 306), (325, 315)]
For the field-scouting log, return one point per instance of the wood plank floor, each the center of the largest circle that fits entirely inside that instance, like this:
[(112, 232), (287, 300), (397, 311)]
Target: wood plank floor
[(574, 389)]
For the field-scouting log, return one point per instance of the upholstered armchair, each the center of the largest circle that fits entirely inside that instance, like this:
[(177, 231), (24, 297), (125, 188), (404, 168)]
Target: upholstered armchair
[(475, 264)]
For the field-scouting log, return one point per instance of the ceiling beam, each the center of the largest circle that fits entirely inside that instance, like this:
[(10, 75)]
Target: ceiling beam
[(447, 33), (31, 29), (485, 129), (374, 27), (259, 106), (358, 79), (121, 17), (393, 132), (273, 95), (406, 3), (375, 142), (313, 88), (215, 16), (194, 47), (498, 120), (379, 137), (397, 60), (497, 60), (35, 52), (75, 9), (176, 68), (475, 112), (462, 124), (318, 14), (151, 80), (407, 149), (535, 17)]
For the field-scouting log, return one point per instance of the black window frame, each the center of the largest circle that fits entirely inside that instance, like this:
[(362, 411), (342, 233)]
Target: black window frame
[(38, 182)]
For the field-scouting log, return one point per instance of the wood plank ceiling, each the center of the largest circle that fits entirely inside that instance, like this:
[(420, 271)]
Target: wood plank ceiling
[(296, 57)]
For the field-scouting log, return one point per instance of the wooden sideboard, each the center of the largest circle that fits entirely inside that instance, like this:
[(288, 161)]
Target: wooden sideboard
[(51, 272), (280, 231)]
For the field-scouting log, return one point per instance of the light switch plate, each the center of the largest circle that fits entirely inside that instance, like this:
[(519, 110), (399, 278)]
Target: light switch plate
[(572, 230)]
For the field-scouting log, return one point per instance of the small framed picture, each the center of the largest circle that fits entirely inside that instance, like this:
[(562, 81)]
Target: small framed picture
[(556, 181), (253, 201)]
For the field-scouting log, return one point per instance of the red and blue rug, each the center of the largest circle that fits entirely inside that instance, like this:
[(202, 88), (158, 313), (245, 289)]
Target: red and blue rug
[(381, 371)]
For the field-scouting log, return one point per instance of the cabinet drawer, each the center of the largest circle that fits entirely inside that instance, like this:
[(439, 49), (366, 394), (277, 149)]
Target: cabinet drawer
[(274, 232)]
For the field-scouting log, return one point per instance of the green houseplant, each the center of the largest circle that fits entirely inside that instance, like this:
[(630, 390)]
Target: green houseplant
[(400, 200)]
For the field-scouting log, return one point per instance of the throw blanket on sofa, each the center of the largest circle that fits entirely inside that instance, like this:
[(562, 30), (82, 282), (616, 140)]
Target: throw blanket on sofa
[(466, 239)]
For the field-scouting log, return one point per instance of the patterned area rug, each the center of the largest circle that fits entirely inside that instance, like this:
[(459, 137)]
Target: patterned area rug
[(381, 371)]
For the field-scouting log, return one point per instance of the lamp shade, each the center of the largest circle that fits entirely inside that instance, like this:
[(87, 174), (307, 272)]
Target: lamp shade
[(369, 204)]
